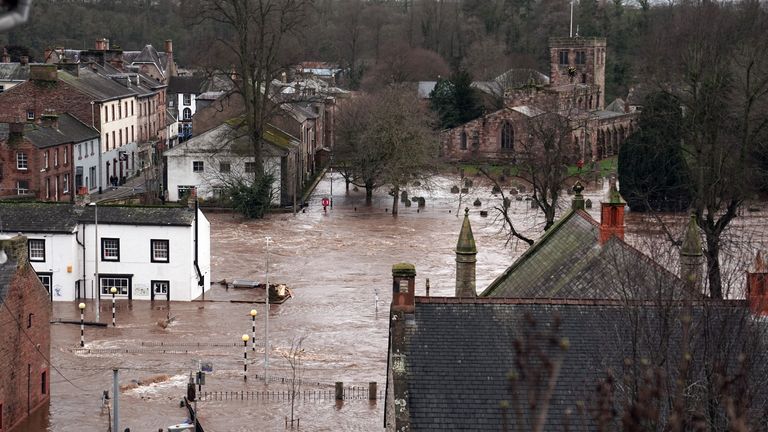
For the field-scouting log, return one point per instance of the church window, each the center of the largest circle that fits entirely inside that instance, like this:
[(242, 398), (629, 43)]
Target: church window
[(463, 144), (581, 57), (507, 136), (563, 57)]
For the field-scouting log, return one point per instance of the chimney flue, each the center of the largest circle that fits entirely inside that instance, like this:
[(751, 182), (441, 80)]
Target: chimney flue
[(612, 214), (403, 287), (5, 58)]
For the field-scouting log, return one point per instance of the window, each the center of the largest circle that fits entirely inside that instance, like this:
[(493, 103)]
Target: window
[(581, 57), (120, 137), (170, 103), (91, 144), (123, 285), (30, 115), (22, 187), (44, 382), (132, 136), (46, 279), (45, 159), (110, 249), (184, 190), (463, 144), (80, 151), (225, 167), (160, 289), (114, 141), (159, 251), (65, 184), (563, 57), (131, 107), (113, 113), (187, 114), (250, 167), (197, 166), (507, 137), (36, 249), (119, 111), (56, 158), (107, 135), (106, 114), (48, 188), (66, 156), (92, 175), (21, 161)]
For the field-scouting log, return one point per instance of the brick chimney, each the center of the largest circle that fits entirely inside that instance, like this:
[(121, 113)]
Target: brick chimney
[(102, 44), (170, 67), (466, 260), (403, 287), (757, 286), (43, 72), (24, 60), (5, 58), (612, 214)]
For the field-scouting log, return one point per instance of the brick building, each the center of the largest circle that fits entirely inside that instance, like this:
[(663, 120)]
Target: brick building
[(576, 91), (25, 314)]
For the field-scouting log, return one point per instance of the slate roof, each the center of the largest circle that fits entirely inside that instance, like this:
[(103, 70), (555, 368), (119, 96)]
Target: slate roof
[(14, 72), (617, 106), (70, 130), (226, 138), (95, 85), (185, 85), (459, 353), (64, 218), (7, 271)]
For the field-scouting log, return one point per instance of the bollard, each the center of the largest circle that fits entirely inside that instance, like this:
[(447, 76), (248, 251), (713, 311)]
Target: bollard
[(339, 390), (372, 390)]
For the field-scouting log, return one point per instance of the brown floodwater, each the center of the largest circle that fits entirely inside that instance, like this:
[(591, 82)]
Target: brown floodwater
[(336, 263)]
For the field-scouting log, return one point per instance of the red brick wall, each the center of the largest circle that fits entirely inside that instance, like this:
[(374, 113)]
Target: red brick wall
[(41, 97), (34, 174), (20, 390)]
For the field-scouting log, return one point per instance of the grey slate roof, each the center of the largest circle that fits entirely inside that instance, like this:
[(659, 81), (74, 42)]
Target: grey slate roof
[(459, 353), (63, 218), (95, 85), (185, 85), (14, 72), (7, 271), (70, 130)]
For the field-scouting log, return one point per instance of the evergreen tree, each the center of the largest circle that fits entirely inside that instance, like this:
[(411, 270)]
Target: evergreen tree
[(652, 171), (455, 101)]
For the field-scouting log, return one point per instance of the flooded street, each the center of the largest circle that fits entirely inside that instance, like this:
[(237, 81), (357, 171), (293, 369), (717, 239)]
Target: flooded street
[(336, 264)]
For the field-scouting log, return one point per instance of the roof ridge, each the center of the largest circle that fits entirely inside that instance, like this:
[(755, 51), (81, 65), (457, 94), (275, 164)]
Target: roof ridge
[(572, 301)]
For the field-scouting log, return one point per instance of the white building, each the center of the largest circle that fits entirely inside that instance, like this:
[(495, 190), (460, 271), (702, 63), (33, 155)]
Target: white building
[(147, 253), (222, 155)]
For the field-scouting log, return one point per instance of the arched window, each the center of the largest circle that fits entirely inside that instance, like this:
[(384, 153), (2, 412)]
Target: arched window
[(507, 136), (187, 114), (463, 144)]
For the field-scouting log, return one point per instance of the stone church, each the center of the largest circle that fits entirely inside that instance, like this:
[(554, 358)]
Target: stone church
[(575, 94)]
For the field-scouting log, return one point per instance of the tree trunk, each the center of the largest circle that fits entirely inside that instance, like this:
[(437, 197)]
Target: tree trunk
[(395, 201), (368, 192), (713, 265), (346, 180)]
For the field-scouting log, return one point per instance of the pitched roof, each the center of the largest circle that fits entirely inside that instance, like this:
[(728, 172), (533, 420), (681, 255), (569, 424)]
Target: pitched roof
[(14, 72), (229, 138), (185, 84), (459, 353), (7, 271), (69, 130), (64, 218), (95, 85)]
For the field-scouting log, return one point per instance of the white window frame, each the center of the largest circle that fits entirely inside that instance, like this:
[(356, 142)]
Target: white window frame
[(160, 250), (22, 162), (65, 184), (123, 285), (22, 190), (36, 248)]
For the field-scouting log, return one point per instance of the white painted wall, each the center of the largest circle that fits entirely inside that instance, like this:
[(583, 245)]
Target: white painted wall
[(7, 85), (119, 123), (180, 104), (61, 259), (81, 154)]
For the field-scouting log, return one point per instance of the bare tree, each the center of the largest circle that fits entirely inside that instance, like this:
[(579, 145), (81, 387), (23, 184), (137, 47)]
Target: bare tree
[(294, 357)]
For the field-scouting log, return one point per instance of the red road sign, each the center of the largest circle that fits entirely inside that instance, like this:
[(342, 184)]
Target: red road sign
[(326, 202)]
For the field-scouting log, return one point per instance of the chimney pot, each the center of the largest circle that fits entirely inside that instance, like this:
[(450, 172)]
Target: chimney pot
[(168, 46), (403, 287), (23, 60)]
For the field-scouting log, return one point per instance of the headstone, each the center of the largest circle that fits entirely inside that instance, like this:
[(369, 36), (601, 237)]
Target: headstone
[(521, 188), (496, 190), (404, 196), (513, 191), (484, 213), (507, 202), (407, 203), (464, 190), (588, 203), (467, 183), (422, 202), (417, 183), (477, 202), (454, 189)]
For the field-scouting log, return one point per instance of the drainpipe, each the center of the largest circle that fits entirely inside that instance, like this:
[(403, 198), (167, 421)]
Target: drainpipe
[(200, 277), (83, 246)]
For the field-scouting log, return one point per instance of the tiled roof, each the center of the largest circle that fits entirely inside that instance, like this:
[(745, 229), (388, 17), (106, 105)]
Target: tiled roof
[(63, 218), (185, 85), (95, 85), (70, 130), (555, 253), (14, 72), (459, 353)]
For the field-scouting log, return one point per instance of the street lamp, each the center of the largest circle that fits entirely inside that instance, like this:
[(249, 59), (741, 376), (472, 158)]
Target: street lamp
[(245, 357), (81, 306), (253, 328), (266, 322), (113, 290)]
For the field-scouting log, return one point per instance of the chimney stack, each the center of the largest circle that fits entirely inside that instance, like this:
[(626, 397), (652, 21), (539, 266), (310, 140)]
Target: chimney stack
[(168, 46), (5, 58), (102, 44), (403, 287), (50, 120), (24, 60), (466, 259), (757, 284), (13, 248), (612, 215)]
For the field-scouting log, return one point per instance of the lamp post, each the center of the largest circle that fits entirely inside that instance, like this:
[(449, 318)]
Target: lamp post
[(245, 357), (96, 248), (113, 290), (253, 328), (266, 322), (81, 306)]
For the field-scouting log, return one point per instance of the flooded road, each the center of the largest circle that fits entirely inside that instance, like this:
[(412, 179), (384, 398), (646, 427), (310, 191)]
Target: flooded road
[(336, 263)]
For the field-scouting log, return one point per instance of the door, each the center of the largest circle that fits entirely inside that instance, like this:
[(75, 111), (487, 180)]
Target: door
[(161, 290)]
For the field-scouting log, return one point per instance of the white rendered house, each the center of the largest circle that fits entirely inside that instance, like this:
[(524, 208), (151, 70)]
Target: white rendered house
[(147, 253)]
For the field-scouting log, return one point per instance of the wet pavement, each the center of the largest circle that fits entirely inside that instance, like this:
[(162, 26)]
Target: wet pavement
[(337, 263)]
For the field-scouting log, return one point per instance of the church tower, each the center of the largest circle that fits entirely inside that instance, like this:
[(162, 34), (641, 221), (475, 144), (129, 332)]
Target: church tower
[(691, 257), (466, 258), (579, 60)]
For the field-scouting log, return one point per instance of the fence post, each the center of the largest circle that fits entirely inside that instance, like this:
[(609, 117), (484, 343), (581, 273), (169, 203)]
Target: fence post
[(372, 390), (339, 390)]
